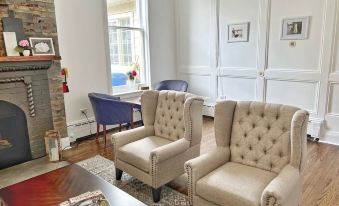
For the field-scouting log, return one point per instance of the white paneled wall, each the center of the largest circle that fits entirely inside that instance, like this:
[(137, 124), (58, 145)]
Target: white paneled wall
[(265, 68), (332, 109), (195, 49)]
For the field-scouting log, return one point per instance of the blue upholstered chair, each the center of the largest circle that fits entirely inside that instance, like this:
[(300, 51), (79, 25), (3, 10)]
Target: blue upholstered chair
[(109, 110), (175, 85)]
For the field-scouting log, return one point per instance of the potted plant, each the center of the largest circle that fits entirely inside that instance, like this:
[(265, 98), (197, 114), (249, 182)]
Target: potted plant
[(23, 48)]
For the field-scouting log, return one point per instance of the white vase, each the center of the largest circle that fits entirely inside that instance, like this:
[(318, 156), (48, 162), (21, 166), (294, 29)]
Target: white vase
[(130, 82), (26, 53)]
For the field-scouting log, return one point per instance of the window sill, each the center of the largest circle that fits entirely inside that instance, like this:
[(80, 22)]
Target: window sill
[(129, 95)]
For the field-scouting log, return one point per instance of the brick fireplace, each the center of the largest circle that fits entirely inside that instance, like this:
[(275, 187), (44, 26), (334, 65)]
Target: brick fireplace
[(31, 86), (35, 88)]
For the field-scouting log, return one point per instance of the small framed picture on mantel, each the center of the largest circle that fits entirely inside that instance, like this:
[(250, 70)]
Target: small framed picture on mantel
[(238, 32), (295, 28), (42, 46)]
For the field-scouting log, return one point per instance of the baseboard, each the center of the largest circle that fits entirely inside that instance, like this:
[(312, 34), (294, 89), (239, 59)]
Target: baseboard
[(208, 109), (331, 137), (315, 127), (87, 127)]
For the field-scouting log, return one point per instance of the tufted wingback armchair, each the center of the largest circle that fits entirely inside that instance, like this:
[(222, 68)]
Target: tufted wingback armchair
[(260, 152), (171, 135)]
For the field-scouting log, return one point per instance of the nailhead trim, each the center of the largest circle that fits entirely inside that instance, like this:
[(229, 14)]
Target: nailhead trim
[(154, 170), (190, 183), (275, 203), (190, 120)]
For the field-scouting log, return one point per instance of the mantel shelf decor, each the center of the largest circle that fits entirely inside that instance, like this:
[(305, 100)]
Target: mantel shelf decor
[(28, 58)]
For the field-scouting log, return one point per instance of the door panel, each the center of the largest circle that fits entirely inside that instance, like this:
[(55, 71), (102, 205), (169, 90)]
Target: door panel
[(239, 63), (300, 94), (239, 89), (307, 53)]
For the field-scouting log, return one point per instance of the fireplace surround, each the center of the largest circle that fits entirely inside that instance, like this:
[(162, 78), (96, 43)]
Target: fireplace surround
[(14, 139), (35, 88)]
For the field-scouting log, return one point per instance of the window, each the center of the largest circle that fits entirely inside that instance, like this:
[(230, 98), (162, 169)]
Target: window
[(127, 44)]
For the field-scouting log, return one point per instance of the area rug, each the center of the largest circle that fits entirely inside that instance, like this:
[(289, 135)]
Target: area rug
[(104, 168)]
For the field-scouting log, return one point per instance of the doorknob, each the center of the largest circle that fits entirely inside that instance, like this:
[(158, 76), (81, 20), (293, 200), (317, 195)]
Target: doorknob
[(261, 74)]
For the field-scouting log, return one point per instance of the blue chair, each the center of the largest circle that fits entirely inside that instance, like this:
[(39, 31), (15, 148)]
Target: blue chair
[(176, 85), (109, 110)]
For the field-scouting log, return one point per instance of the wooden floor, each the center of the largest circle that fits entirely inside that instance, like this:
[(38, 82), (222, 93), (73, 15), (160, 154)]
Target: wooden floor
[(321, 173)]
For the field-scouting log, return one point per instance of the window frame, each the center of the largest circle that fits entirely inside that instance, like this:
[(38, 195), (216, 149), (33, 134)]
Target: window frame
[(142, 11), (127, 15)]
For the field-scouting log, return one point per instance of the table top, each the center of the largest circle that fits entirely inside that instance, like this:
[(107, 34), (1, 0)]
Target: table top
[(59, 185)]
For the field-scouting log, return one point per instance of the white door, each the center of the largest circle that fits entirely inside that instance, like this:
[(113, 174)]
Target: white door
[(241, 64)]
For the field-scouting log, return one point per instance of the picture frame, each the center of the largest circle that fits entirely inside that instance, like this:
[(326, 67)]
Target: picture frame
[(42, 46), (296, 28), (10, 43), (238, 32)]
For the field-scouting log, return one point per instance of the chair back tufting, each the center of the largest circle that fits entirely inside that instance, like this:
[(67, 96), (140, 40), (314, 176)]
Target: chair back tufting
[(169, 117), (261, 135)]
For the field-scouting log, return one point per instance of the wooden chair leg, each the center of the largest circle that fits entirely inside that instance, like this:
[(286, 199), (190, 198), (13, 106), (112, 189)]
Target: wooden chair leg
[(98, 131), (105, 134)]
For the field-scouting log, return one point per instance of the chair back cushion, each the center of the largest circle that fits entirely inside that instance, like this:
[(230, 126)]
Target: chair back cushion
[(175, 85), (261, 135), (169, 117), (109, 110)]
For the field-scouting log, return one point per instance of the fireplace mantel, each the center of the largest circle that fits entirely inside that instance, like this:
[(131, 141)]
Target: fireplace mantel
[(29, 58), (22, 63)]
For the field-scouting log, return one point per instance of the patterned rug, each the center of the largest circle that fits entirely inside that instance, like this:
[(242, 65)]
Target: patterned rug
[(104, 168)]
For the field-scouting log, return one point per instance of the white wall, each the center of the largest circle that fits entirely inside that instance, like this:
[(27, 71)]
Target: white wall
[(265, 68), (81, 30), (162, 40)]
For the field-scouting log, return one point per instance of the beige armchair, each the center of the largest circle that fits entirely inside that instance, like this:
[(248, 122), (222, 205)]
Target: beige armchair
[(260, 152), (171, 135)]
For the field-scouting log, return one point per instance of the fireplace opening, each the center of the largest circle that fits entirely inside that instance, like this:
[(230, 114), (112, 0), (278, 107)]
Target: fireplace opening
[(14, 140)]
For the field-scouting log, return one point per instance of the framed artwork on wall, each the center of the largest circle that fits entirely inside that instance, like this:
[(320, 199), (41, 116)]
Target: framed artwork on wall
[(42, 46), (238, 32), (295, 28)]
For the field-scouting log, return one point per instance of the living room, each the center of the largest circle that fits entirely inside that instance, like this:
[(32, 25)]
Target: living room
[(169, 102)]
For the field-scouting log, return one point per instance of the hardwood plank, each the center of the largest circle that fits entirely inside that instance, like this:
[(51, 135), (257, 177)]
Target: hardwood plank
[(321, 171), (59, 185)]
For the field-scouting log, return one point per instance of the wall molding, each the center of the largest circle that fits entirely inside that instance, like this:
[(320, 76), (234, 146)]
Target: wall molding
[(316, 78), (293, 74), (334, 77), (195, 70), (238, 72)]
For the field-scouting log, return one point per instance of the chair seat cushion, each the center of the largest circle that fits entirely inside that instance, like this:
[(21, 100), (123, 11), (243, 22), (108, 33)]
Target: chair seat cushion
[(234, 184), (138, 153)]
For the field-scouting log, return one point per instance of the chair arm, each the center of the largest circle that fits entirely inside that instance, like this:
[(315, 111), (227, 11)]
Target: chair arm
[(170, 150), (122, 138), (281, 187), (201, 166)]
